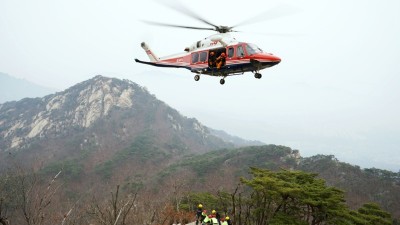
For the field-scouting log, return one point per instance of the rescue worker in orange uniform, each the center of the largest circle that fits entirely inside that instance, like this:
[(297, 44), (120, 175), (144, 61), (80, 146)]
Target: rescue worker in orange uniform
[(211, 60), (220, 61)]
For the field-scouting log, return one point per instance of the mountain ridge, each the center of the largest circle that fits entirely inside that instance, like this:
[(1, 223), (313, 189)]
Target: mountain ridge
[(14, 89), (94, 101)]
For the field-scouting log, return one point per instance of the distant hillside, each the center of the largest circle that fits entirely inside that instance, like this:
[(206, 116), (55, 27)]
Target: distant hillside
[(361, 185), (224, 167), (14, 89), (239, 142)]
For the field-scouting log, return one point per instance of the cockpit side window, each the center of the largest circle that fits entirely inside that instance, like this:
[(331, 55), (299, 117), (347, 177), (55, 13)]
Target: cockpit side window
[(253, 49), (240, 51)]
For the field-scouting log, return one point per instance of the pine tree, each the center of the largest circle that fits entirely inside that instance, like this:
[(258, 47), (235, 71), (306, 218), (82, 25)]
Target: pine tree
[(373, 215), (296, 196)]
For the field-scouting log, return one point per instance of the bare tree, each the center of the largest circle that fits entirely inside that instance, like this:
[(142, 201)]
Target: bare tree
[(114, 211), (179, 189), (3, 212), (23, 195), (76, 213), (3, 209), (5, 198), (34, 200)]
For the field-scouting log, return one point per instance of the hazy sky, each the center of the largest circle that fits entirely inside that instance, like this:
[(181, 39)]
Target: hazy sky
[(336, 90)]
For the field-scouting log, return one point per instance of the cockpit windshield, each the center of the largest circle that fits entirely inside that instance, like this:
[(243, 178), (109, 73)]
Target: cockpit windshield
[(253, 49)]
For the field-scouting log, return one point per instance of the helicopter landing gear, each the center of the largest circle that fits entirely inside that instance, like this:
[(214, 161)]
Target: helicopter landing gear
[(222, 81), (258, 75), (197, 77)]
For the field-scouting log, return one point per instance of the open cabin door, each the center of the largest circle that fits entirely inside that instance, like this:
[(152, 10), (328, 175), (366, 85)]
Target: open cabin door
[(217, 58)]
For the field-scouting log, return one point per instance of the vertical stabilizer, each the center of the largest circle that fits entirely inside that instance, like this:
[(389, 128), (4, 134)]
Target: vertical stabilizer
[(150, 54)]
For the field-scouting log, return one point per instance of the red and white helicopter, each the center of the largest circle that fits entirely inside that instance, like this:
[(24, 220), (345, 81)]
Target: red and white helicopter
[(217, 55)]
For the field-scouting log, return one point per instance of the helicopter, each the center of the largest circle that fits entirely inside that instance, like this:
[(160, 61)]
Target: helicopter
[(219, 55)]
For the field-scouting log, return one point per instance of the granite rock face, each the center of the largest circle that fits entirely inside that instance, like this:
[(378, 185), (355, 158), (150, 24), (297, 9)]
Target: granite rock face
[(96, 101), (79, 106)]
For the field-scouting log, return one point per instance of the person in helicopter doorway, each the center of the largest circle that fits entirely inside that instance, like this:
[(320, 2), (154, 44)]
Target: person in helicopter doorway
[(220, 61), (211, 59)]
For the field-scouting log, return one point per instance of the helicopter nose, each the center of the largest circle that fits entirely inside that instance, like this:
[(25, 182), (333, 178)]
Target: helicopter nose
[(267, 59), (275, 59)]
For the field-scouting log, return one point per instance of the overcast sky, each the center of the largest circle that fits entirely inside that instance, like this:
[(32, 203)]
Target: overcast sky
[(336, 90)]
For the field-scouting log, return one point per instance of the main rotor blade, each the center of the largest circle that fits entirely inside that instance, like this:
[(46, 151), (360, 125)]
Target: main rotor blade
[(177, 26), (270, 14), (182, 9), (273, 34)]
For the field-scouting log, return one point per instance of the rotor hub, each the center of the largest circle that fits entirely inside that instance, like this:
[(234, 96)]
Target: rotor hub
[(223, 29)]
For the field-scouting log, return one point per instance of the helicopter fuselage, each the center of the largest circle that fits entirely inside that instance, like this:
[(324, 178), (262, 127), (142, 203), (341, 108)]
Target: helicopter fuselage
[(217, 55)]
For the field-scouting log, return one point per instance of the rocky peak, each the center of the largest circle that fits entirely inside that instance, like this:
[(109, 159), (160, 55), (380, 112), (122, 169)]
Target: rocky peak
[(93, 99), (114, 111), (79, 107)]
